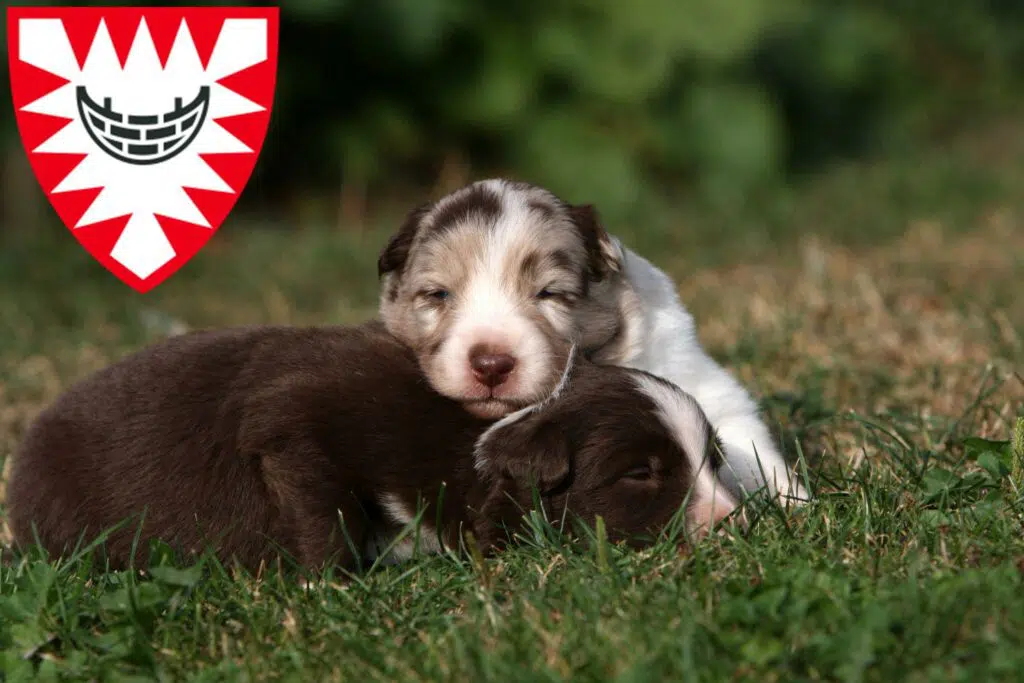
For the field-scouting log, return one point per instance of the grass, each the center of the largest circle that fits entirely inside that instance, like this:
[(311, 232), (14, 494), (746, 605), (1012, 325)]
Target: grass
[(877, 312)]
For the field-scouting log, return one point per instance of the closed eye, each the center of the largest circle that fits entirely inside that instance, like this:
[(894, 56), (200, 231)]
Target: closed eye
[(437, 294), (552, 293), (638, 473)]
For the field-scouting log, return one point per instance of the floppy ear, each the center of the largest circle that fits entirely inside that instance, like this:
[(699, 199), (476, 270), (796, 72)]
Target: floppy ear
[(603, 257), (530, 452), (515, 459), (395, 253)]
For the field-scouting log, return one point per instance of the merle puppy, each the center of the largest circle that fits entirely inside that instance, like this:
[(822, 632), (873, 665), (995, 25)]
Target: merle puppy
[(492, 283), (259, 440)]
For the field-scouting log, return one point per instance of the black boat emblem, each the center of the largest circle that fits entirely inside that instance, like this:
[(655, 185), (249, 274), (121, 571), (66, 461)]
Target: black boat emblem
[(143, 138)]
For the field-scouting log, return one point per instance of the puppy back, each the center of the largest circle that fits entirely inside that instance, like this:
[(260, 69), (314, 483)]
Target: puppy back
[(177, 430), (154, 432)]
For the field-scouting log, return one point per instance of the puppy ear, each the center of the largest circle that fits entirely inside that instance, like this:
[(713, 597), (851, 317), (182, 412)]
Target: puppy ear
[(515, 458), (395, 253), (603, 255), (530, 452)]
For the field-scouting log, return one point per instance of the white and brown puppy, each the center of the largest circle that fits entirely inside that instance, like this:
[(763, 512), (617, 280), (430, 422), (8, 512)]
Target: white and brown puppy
[(491, 288), (492, 284), (257, 440)]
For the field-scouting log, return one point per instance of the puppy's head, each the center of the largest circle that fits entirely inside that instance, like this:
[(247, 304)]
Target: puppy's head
[(618, 443), (492, 285)]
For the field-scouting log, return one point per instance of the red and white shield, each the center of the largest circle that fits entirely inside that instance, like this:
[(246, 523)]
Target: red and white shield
[(142, 124)]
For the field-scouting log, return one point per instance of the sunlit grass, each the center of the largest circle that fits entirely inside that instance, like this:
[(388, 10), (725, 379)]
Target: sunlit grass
[(883, 330)]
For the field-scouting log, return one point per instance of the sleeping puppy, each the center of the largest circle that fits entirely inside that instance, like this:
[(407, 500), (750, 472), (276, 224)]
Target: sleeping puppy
[(320, 442), (491, 285)]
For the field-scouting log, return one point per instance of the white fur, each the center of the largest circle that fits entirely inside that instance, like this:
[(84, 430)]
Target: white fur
[(399, 514), (670, 349), (685, 420), (489, 315)]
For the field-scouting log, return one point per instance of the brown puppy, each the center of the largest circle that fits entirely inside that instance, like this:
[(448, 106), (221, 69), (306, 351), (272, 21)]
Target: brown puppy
[(261, 438)]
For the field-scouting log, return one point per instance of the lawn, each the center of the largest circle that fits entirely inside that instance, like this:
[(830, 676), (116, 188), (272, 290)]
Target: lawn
[(877, 312)]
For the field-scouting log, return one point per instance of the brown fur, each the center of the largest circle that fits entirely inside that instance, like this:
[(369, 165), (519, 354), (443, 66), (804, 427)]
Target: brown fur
[(256, 440)]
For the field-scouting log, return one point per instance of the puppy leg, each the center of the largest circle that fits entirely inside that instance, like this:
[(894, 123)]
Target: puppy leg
[(752, 460), (328, 533), (317, 522)]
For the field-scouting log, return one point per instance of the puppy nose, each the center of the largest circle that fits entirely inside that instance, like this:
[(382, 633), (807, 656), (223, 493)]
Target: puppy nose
[(491, 369)]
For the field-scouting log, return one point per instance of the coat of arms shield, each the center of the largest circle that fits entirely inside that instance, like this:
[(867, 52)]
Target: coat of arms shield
[(142, 124)]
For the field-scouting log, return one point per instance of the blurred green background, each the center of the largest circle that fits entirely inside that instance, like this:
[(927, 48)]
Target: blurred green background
[(641, 104)]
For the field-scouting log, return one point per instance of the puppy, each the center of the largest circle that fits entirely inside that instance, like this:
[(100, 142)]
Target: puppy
[(492, 284), (319, 442)]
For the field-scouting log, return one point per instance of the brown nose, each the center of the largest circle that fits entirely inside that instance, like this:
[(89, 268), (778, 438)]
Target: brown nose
[(491, 369)]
